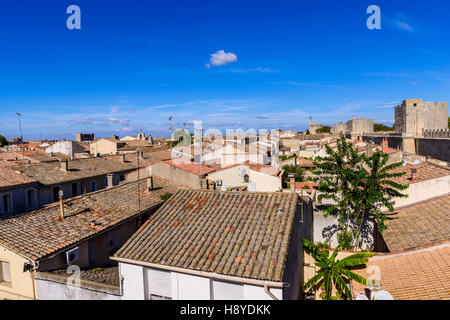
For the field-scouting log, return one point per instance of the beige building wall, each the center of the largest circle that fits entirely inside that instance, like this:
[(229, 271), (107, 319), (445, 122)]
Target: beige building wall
[(103, 147), (22, 286), (166, 171)]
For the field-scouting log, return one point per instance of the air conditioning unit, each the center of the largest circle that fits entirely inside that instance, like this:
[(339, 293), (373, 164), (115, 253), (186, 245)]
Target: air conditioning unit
[(72, 256)]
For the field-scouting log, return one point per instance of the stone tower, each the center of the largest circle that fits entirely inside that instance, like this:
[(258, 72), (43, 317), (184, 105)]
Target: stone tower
[(414, 116)]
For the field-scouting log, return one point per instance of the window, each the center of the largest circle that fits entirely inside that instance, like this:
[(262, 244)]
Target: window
[(55, 194), (159, 285), (30, 196), (74, 189), (5, 272), (6, 204)]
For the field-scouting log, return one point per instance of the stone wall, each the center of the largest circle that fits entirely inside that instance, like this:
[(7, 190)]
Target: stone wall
[(434, 147), (414, 116)]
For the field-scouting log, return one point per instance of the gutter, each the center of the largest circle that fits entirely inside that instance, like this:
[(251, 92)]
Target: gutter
[(264, 283)]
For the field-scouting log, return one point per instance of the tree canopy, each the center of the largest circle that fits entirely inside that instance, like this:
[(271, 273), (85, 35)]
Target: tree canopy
[(3, 141), (381, 127), (324, 129), (295, 170), (359, 187)]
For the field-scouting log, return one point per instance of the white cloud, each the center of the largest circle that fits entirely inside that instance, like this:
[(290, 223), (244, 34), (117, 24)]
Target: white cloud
[(404, 26), (221, 58)]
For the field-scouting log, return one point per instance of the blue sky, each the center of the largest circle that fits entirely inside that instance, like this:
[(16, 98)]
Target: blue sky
[(134, 63)]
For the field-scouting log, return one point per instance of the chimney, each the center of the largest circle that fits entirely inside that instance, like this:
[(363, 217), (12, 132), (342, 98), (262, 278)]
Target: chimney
[(61, 205), (110, 180), (150, 183), (64, 165), (413, 171), (292, 182)]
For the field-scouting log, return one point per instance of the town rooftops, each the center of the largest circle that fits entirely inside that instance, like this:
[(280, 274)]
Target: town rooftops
[(415, 275), (9, 177), (424, 171), (49, 173), (189, 166), (419, 225), (41, 233), (238, 234)]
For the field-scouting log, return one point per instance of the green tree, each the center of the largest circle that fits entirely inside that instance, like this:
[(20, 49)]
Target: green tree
[(295, 170), (3, 141), (324, 129), (359, 187), (381, 127), (334, 273)]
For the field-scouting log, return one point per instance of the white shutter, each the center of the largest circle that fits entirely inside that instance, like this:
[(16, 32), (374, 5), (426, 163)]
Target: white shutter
[(159, 283), (5, 272), (227, 290)]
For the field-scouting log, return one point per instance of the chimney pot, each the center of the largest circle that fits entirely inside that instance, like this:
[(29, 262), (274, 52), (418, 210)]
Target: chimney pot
[(292, 182), (149, 183), (61, 205), (64, 165), (110, 180)]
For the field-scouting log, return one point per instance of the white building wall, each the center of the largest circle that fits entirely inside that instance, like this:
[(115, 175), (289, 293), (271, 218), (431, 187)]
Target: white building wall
[(133, 281), (424, 190), (49, 290), (140, 282)]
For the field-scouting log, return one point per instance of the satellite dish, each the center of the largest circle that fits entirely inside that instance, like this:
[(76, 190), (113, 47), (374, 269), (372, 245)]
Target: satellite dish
[(361, 297), (417, 162), (382, 295), (404, 163), (243, 173)]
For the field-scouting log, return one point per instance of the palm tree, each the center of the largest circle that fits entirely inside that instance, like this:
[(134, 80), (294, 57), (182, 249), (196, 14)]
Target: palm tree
[(334, 273)]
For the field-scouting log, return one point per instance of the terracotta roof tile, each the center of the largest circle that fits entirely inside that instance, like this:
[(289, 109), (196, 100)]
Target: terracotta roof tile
[(39, 233), (10, 178), (416, 275), (418, 225), (188, 165), (425, 171), (49, 173), (233, 233)]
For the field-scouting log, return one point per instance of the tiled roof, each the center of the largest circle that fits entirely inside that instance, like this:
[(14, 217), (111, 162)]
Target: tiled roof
[(40, 233), (301, 185), (418, 225), (425, 171), (10, 178), (189, 166), (108, 276), (417, 275), (49, 173), (263, 168), (231, 233)]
